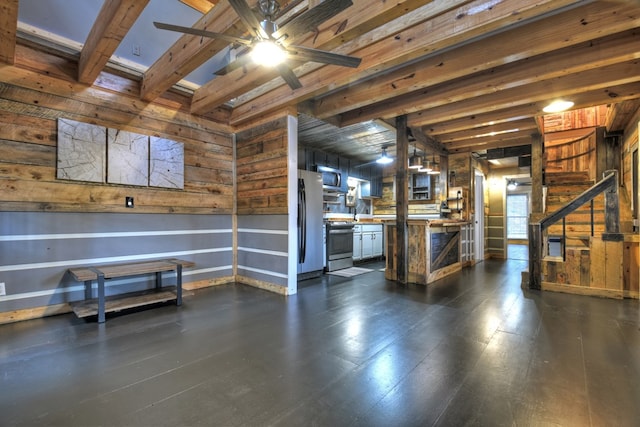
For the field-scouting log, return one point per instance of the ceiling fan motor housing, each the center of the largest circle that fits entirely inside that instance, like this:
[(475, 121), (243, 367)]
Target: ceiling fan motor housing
[(268, 8)]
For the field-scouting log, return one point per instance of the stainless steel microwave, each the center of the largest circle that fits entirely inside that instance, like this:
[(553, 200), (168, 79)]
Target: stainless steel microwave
[(331, 178)]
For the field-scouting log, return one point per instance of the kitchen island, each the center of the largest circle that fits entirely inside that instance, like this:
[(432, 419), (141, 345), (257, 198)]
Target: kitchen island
[(433, 249)]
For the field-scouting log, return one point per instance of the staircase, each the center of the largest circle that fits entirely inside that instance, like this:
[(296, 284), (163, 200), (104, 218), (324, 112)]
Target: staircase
[(561, 189), (589, 263)]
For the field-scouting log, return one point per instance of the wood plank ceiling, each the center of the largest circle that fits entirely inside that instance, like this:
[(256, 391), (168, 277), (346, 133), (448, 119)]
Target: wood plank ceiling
[(469, 74)]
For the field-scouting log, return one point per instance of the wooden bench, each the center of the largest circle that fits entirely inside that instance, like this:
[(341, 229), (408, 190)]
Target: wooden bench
[(101, 305)]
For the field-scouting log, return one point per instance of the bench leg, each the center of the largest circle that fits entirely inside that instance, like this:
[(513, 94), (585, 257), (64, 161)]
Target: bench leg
[(101, 303), (179, 284), (158, 280), (88, 292)]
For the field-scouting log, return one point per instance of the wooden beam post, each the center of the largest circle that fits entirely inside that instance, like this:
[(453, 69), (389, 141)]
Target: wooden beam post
[(535, 256), (612, 211), (537, 150), (402, 197)]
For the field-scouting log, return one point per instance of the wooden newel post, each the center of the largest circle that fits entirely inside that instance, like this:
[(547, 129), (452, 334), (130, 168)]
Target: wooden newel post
[(535, 256), (612, 211)]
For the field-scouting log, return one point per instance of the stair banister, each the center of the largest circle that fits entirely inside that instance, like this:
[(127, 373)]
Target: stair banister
[(608, 185)]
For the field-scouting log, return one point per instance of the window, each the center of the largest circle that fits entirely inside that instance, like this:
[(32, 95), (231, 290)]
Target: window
[(517, 216)]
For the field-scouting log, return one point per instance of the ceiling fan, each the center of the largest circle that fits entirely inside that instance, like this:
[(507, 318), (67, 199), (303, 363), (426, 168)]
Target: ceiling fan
[(266, 34)]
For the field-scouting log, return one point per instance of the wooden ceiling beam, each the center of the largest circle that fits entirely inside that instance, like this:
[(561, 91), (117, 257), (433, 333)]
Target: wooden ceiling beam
[(489, 144), (538, 92), (202, 6), (619, 114), (347, 25), (8, 30), (113, 23), (504, 140), (485, 56), (505, 128), (442, 31), (555, 32), (189, 52), (428, 144)]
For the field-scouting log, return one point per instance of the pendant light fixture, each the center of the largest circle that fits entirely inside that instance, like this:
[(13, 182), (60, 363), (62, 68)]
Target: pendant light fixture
[(426, 166), (415, 161), (435, 167), (384, 158)]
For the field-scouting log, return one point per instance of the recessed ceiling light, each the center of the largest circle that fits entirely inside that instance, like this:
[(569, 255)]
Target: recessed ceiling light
[(558, 106)]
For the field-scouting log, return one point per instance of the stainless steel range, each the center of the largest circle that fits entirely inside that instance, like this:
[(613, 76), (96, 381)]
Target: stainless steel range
[(339, 245)]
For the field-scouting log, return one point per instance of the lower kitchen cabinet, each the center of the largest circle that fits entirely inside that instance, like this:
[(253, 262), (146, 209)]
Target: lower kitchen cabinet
[(357, 243), (367, 241)]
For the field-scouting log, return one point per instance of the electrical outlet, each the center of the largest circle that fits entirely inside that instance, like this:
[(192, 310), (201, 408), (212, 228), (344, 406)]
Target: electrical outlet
[(3, 290)]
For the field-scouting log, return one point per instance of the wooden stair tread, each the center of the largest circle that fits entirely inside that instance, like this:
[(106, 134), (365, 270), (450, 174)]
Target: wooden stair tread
[(552, 178), (123, 302)]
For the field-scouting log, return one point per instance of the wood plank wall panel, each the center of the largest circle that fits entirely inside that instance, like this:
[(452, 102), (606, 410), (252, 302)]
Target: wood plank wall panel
[(263, 251), (37, 248), (31, 103), (261, 169)]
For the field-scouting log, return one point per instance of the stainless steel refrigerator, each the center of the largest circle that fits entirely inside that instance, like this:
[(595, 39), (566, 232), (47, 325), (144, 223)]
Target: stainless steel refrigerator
[(310, 225)]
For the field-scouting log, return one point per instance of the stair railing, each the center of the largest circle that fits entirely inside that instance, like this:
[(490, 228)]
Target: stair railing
[(609, 186)]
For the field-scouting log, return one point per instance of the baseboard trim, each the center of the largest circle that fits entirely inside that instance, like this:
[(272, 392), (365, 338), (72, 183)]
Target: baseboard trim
[(34, 313), (54, 310), (582, 290)]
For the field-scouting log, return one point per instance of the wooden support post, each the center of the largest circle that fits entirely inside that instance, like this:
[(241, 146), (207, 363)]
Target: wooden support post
[(535, 256), (402, 196), (536, 174), (612, 212)]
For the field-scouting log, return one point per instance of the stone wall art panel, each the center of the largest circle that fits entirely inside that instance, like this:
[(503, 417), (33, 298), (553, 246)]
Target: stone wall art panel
[(81, 151), (166, 163), (128, 158)]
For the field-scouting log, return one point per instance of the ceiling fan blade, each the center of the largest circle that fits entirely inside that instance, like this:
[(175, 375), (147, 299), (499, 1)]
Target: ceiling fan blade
[(309, 20), (204, 33), (249, 19), (289, 76), (239, 62), (303, 53)]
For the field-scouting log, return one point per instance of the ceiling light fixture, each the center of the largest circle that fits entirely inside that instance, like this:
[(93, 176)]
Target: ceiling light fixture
[(415, 161), (384, 158), (435, 167), (267, 53), (558, 106), (426, 166), (511, 185)]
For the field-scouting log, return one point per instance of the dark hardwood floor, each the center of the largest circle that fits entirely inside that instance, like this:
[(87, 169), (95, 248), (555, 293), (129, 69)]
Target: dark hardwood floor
[(473, 349)]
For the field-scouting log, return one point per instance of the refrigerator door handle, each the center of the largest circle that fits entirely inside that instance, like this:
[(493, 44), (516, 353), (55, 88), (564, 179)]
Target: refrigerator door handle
[(304, 223)]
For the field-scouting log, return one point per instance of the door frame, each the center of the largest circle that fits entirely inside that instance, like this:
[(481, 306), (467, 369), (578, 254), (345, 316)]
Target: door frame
[(478, 226)]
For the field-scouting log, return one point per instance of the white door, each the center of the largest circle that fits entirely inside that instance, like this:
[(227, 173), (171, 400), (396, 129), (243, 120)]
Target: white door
[(479, 218)]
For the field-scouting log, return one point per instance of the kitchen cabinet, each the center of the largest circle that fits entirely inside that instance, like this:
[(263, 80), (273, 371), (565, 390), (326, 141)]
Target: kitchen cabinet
[(367, 241), (420, 186), (357, 243), (433, 250), (375, 186)]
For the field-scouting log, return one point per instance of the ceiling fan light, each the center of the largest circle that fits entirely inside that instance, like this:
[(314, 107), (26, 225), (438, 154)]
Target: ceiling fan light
[(511, 185), (384, 158), (267, 53), (558, 106)]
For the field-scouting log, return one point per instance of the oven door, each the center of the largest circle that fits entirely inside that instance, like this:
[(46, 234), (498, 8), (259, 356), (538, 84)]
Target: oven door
[(340, 242)]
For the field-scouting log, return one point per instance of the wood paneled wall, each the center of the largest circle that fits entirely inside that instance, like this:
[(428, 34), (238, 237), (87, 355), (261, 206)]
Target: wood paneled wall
[(261, 169), (41, 88)]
